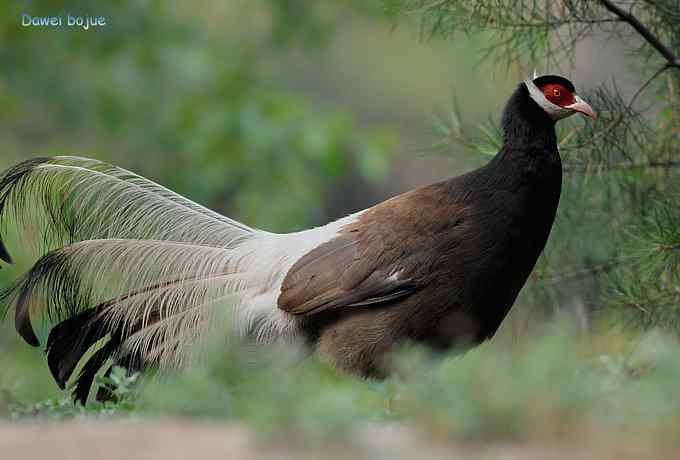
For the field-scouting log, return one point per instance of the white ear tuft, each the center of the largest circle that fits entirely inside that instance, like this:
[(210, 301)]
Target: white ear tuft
[(535, 75)]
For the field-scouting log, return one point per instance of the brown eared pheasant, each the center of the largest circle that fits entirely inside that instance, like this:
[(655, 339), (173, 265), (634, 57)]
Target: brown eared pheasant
[(141, 272)]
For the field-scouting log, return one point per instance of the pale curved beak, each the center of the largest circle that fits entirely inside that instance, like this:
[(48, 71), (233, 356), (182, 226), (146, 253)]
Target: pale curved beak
[(582, 106)]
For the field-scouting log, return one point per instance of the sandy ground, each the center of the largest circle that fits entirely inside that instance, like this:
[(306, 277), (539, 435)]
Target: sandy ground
[(172, 439)]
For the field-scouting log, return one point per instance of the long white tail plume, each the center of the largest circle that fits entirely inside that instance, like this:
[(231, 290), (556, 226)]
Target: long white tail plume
[(124, 258)]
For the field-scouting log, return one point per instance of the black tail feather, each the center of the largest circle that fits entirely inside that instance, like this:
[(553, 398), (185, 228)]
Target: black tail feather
[(65, 286), (70, 340), (22, 322), (89, 371), (4, 254)]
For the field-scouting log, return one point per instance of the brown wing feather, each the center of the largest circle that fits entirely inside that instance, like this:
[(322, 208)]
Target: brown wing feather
[(410, 236), (342, 272)]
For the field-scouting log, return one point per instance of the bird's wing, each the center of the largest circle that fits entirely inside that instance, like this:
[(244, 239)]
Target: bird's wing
[(371, 260), (388, 252), (342, 272)]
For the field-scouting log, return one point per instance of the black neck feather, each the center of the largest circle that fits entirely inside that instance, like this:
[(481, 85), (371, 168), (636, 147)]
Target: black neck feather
[(529, 151), (527, 128)]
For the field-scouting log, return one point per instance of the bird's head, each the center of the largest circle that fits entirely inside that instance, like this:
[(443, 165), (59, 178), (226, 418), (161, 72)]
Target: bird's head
[(557, 96)]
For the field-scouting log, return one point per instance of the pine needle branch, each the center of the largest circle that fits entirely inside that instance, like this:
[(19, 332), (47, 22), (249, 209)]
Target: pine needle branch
[(582, 273), (646, 84), (623, 166), (651, 38)]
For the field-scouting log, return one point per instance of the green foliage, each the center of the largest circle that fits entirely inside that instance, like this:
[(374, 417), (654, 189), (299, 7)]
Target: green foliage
[(280, 391), (555, 386), (550, 388), (121, 401), (518, 28), (530, 29)]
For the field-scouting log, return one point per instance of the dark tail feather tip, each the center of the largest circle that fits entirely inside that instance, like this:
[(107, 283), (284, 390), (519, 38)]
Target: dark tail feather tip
[(104, 393), (4, 254), (69, 341), (22, 322), (90, 370), (27, 333)]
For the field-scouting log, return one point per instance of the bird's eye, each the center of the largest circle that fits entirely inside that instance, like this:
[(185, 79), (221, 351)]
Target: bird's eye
[(557, 92)]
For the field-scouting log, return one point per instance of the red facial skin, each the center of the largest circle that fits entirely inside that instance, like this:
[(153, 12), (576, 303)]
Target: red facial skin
[(558, 94)]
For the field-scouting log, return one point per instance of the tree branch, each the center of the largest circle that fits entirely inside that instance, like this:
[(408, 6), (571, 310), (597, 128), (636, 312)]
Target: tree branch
[(666, 52), (670, 164), (646, 84), (669, 247), (587, 272)]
